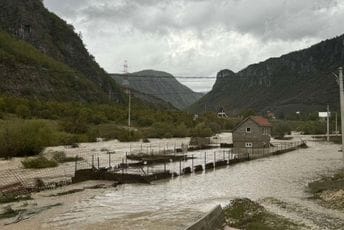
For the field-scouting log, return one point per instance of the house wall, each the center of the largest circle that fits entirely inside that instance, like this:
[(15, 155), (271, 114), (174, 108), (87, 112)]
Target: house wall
[(256, 136)]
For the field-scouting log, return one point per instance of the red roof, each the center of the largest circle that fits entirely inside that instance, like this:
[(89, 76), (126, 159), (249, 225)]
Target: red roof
[(261, 121)]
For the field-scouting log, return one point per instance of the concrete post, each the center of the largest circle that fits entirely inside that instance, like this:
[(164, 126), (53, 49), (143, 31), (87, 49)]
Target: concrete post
[(341, 105), (192, 162), (328, 124)]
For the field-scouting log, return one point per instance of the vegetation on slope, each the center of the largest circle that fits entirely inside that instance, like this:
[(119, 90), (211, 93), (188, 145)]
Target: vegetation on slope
[(27, 72), (27, 126), (329, 190), (247, 214), (161, 85), (298, 81), (30, 21)]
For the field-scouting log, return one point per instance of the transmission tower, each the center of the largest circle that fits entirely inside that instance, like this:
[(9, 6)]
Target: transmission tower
[(125, 67)]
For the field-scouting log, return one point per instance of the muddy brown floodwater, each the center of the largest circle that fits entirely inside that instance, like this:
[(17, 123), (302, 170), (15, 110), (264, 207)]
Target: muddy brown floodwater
[(277, 182)]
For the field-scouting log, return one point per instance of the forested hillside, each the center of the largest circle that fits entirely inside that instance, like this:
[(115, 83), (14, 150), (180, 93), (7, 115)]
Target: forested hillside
[(298, 81)]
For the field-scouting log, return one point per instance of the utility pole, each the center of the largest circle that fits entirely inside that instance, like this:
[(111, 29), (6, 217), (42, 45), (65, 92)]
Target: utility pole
[(336, 123), (328, 124), (129, 110), (126, 85), (341, 105)]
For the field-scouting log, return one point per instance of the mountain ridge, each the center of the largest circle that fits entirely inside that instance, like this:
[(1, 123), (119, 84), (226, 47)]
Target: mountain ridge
[(31, 22), (298, 81), (161, 85)]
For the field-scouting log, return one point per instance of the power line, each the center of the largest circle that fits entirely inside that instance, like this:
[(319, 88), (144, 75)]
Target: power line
[(162, 77)]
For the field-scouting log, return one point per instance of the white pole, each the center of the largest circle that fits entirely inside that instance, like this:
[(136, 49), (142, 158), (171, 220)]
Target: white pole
[(341, 105), (129, 109), (328, 123)]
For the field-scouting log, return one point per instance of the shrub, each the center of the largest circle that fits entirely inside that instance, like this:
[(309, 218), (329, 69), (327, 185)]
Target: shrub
[(181, 131), (280, 129), (38, 163), (145, 140), (25, 138), (201, 131), (23, 111)]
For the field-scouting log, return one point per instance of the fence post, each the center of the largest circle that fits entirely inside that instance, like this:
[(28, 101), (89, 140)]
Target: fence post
[(126, 158), (192, 162), (109, 159), (98, 162), (165, 166), (92, 161), (205, 159), (214, 157), (122, 166), (76, 163), (180, 167)]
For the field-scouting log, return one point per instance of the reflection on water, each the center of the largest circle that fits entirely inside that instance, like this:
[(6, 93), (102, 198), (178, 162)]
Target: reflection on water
[(176, 203)]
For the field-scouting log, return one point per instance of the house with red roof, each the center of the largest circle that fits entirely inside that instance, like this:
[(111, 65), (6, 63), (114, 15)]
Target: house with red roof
[(252, 132)]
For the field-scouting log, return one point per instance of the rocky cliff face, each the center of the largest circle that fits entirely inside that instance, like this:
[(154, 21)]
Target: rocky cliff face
[(30, 21), (160, 85), (298, 81)]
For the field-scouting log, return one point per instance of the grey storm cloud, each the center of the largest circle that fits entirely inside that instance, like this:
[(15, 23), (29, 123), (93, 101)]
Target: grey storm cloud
[(282, 19), (198, 37)]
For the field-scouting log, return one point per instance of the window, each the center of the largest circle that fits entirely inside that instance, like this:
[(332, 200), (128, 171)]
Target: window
[(248, 130), (248, 145)]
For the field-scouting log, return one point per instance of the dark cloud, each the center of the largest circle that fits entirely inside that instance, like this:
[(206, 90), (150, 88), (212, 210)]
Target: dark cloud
[(198, 37)]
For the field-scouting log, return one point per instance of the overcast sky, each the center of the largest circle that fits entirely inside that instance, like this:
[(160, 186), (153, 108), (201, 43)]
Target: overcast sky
[(197, 37)]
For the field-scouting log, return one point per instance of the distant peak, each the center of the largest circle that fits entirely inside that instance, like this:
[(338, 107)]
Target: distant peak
[(225, 73), (154, 73)]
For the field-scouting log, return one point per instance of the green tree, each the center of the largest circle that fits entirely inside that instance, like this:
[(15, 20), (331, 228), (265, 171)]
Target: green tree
[(23, 111)]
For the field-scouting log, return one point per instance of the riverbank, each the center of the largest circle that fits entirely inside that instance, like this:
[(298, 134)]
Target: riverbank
[(276, 183), (246, 214), (329, 190)]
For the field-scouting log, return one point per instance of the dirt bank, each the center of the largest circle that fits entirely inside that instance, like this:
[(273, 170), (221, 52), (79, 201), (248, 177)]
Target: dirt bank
[(247, 214), (329, 190)]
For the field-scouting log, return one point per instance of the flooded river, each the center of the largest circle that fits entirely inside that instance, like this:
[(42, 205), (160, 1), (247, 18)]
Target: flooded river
[(276, 182)]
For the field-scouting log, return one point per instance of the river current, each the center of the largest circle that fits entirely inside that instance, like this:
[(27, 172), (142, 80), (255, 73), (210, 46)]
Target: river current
[(277, 182)]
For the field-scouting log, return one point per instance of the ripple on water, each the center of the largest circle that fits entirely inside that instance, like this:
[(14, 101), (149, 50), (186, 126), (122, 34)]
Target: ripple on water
[(176, 203)]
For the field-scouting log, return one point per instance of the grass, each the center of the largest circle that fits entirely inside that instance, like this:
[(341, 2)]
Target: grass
[(9, 198), (39, 163), (9, 213), (329, 190), (246, 214), (333, 183)]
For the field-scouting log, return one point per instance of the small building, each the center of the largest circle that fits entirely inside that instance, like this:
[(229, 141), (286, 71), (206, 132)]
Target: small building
[(221, 113), (253, 132)]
